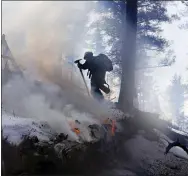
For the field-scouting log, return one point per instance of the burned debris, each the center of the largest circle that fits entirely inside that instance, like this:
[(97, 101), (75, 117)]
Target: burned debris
[(175, 144)]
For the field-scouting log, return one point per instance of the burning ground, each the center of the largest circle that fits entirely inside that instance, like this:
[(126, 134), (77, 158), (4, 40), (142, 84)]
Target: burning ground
[(56, 117), (35, 145), (131, 151), (50, 126)]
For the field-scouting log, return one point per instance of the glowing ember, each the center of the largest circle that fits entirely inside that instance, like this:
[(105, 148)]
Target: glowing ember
[(112, 123), (73, 127), (76, 130)]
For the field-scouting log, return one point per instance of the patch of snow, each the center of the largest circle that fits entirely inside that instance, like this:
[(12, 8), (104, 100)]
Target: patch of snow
[(180, 132), (179, 152), (15, 127)]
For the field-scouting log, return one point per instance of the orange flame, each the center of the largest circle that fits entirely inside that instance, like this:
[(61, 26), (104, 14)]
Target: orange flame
[(76, 130), (73, 128), (113, 125)]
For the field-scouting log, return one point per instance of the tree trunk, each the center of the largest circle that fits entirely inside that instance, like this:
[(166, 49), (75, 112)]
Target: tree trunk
[(127, 90)]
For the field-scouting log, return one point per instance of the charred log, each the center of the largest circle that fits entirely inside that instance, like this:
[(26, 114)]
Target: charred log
[(175, 144)]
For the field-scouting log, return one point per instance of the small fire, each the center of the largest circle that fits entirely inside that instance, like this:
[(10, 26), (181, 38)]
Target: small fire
[(73, 127), (76, 130), (113, 125), (108, 121)]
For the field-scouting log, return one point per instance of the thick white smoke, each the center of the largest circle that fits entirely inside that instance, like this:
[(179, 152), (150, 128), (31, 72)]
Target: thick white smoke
[(54, 102), (38, 34)]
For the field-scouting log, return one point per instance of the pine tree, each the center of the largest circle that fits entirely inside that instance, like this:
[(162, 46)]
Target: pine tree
[(176, 99)]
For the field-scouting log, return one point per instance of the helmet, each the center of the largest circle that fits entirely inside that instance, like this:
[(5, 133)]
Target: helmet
[(88, 55)]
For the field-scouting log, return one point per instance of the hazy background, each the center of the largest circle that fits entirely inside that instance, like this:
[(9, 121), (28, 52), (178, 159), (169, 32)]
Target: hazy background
[(42, 34), (39, 35)]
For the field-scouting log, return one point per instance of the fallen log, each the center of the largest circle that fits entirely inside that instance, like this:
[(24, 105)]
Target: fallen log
[(175, 144), (148, 121)]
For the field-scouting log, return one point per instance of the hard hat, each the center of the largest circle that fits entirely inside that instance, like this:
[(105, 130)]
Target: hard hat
[(88, 55)]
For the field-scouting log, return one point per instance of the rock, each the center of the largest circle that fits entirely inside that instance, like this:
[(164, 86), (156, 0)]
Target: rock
[(173, 166), (60, 137)]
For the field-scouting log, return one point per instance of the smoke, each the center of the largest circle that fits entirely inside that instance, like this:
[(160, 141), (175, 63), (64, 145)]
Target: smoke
[(42, 31), (55, 100), (39, 33)]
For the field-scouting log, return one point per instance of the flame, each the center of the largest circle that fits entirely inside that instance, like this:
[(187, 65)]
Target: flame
[(73, 127), (113, 125), (76, 130)]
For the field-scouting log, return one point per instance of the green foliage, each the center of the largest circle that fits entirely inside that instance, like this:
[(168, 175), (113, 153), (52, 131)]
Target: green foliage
[(151, 14), (176, 93)]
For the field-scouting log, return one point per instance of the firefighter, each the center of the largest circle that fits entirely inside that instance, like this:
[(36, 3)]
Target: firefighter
[(97, 67)]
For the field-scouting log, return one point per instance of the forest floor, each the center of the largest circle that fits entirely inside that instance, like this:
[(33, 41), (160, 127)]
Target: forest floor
[(144, 156), (133, 152)]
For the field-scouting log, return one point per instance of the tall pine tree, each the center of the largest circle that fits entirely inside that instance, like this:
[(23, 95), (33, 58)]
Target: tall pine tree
[(176, 99)]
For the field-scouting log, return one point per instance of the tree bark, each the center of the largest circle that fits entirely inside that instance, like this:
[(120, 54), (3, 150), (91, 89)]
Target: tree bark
[(127, 90)]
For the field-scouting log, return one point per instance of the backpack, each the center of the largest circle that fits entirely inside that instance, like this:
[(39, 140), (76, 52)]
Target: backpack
[(104, 62)]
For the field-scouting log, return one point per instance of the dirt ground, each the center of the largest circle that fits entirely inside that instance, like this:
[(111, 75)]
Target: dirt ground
[(143, 157)]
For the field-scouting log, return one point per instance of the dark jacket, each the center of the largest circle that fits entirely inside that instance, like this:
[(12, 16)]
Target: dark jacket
[(97, 73)]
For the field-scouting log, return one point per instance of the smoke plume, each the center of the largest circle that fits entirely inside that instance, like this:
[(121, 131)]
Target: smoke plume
[(39, 33)]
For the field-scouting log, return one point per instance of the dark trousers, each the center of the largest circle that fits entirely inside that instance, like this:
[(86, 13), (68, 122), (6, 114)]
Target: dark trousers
[(96, 92)]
